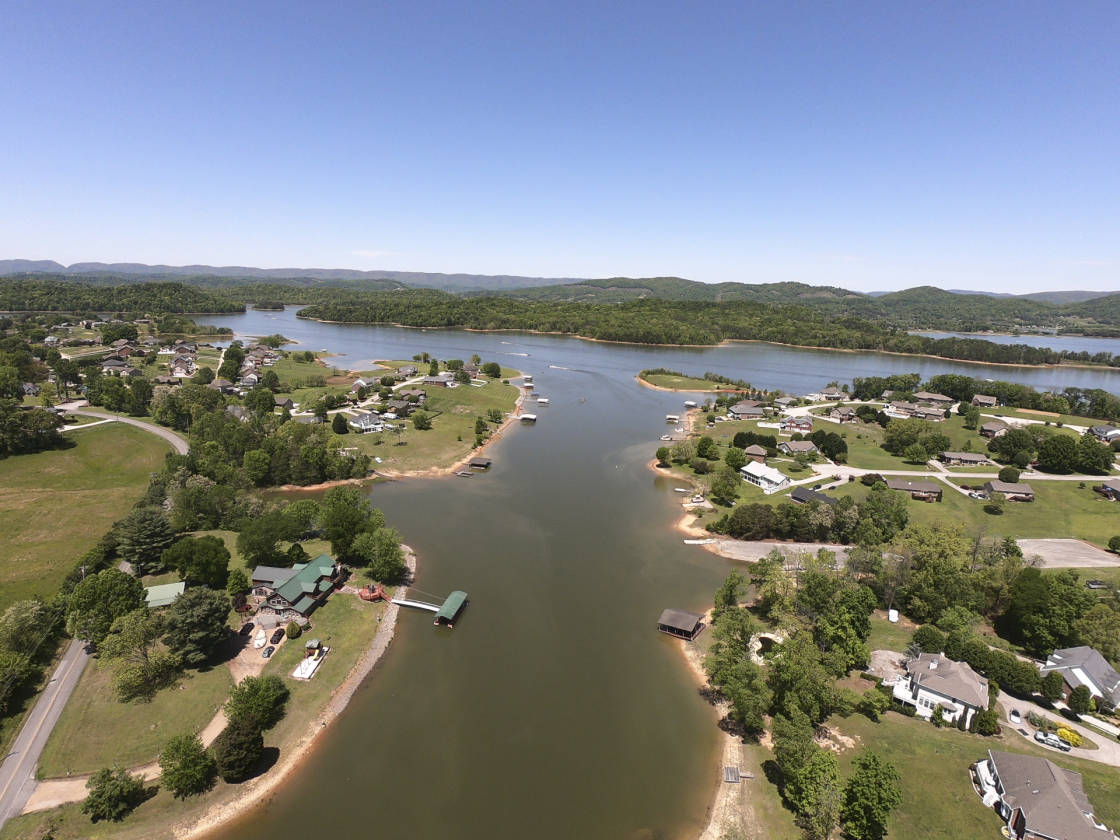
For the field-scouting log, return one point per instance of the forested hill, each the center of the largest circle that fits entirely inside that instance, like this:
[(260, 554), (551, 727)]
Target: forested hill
[(622, 289), (656, 321), (54, 295)]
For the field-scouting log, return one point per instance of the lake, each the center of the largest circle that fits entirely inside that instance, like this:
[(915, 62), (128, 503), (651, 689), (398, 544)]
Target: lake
[(554, 709)]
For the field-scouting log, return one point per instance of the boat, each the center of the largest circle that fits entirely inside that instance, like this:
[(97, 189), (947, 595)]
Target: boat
[(464, 473), (542, 400), (666, 437), (681, 490), (672, 418), (690, 403), (528, 418)]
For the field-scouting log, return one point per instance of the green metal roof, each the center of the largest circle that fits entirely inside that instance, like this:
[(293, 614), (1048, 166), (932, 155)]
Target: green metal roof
[(297, 589), (163, 594), (451, 606)]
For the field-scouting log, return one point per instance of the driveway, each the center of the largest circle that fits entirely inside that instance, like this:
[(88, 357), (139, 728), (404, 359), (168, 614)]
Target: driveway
[(1068, 554), (17, 772), (178, 443), (1109, 749)]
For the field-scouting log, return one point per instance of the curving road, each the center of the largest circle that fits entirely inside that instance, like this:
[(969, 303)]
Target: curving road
[(178, 442)]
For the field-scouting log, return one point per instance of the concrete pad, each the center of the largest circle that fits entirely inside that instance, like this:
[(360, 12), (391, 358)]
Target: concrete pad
[(1067, 554)]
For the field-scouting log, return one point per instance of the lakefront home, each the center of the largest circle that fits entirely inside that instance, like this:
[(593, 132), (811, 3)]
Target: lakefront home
[(768, 478), (294, 593), (1085, 666), (847, 414), (756, 453), (1105, 434), (797, 447), (984, 401), (933, 681), (1016, 491), (789, 425), (939, 399), (993, 429)]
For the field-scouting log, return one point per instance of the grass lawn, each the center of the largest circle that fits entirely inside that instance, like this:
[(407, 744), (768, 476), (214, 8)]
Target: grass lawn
[(1024, 414), (451, 438), (55, 505), (887, 636), (96, 730), (680, 383), (937, 796)]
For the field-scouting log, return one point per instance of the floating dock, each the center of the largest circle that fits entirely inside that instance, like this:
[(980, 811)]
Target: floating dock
[(446, 613)]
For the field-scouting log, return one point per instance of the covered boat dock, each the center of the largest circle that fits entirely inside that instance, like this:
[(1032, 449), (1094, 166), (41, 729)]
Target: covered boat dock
[(682, 624)]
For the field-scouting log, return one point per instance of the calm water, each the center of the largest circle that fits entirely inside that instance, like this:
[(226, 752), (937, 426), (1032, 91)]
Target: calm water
[(1076, 343), (553, 709)]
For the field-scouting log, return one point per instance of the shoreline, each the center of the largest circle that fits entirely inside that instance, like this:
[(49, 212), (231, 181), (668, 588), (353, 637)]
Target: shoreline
[(722, 343), (251, 793), (646, 384)]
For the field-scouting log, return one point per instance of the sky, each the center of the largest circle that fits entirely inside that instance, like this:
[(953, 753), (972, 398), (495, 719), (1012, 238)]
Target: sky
[(871, 145)]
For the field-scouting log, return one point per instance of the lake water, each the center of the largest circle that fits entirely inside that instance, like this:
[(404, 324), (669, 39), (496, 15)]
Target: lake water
[(1074, 343), (553, 710)]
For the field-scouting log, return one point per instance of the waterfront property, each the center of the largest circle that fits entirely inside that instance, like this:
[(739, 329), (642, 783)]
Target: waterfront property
[(937, 399), (984, 401), (768, 478), (1105, 434), (1085, 666), (797, 447), (846, 414), (993, 429), (964, 459), (803, 495), (293, 594), (479, 463), (1038, 799), (1017, 491), (926, 491), (756, 453), (933, 681), (680, 623), (789, 425)]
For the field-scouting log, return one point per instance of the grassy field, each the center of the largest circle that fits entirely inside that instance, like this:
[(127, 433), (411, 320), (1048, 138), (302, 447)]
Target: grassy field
[(1023, 414), (344, 623), (451, 438), (96, 730), (55, 505), (680, 383), (887, 636)]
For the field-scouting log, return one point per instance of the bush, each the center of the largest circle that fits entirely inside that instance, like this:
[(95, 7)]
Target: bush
[(986, 723), (929, 639), (1071, 737), (237, 750), (872, 704), (257, 701), (186, 768), (293, 630), (112, 795), (1009, 474), (903, 708), (1114, 544)]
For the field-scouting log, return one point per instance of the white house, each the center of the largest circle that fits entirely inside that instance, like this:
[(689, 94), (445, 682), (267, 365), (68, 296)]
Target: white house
[(1085, 666), (366, 421), (768, 478), (933, 680)]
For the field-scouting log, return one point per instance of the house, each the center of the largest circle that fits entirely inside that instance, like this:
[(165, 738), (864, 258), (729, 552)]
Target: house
[(401, 408), (284, 403), (404, 371), (901, 409), (1018, 491), (30, 389), (296, 592), (785, 402), (926, 491), (440, 381), (1105, 434), (682, 624), (413, 395), (1110, 489), (768, 478), (965, 459), (163, 594), (938, 399), (984, 401), (797, 447), (993, 429), (1085, 666), (130, 372), (309, 419), (113, 365), (933, 415), (479, 463), (219, 384), (366, 421), (250, 380), (1038, 799), (789, 425), (746, 412), (832, 393), (756, 453), (239, 412), (50, 341), (803, 495), (847, 414), (362, 383), (166, 380), (933, 681)]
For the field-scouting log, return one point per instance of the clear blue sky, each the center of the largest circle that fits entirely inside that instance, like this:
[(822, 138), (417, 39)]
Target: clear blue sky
[(872, 145)]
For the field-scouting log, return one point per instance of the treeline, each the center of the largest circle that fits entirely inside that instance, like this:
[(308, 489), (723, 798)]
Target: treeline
[(670, 322), (31, 293)]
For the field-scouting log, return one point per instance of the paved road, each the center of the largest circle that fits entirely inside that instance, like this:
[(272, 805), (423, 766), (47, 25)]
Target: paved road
[(1068, 554), (1108, 751), (17, 772), (177, 442)]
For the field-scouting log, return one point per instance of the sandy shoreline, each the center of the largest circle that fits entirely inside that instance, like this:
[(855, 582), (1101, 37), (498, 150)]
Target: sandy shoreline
[(252, 793), (646, 384)]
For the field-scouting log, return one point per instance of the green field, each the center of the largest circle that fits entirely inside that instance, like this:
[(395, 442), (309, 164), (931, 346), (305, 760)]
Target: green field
[(887, 636), (55, 505), (96, 730), (451, 438), (680, 383), (1023, 414)]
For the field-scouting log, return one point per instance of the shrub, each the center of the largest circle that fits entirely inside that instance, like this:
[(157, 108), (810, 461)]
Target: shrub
[(1071, 737), (986, 723), (187, 769), (872, 704), (929, 639), (293, 630), (112, 795), (1114, 544), (258, 701), (1009, 474), (237, 750)]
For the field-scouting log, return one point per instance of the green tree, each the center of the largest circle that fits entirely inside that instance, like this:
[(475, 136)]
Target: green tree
[(814, 792), (15, 670), (422, 421), (706, 448), (338, 425), (727, 596), (873, 704), (1092, 456), (915, 453), (986, 723), (186, 769), (793, 743), (492, 369), (433, 368), (1114, 543), (345, 512), (1099, 628), (196, 624), (735, 458), (142, 537), (1053, 686), (98, 600), (1058, 454), (1009, 474), (380, 552), (237, 750), (237, 581), (25, 625), (1080, 700), (1044, 610), (141, 667), (260, 401), (872, 792), (258, 541), (260, 701), (202, 560), (257, 465), (112, 795), (725, 485), (663, 454)]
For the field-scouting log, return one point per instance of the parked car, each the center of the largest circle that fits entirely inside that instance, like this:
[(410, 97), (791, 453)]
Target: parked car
[(1051, 740), (1096, 584), (1015, 717), (975, 494), (277, 636), (268, 651), (247, 628), (259, 639)]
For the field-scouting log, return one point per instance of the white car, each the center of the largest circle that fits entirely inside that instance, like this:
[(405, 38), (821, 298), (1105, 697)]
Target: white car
[(1015, 717)]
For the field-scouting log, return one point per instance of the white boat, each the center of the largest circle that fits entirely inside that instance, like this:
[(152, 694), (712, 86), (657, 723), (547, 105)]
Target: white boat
[(259, 639), (681, 490), (690, 403), (666, 437), (672, 418), (542, 400), (528, 418)]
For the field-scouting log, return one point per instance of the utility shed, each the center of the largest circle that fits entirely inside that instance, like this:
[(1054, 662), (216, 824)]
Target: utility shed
[(679, 623), (163, 594), (451, 608)]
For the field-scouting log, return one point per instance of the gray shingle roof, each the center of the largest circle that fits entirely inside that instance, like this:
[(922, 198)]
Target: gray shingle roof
[(1052, 799), (1084, 660)]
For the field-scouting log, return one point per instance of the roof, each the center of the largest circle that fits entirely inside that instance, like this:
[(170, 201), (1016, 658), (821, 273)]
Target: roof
[(895, 483), (984, 398), (1104, 430), (272, 575), (1084, 665), (1017, 488), (995, 425), (1052, 799), (975, 457), (769, 474), (805, 495), (680, 620), (755, 449), (746, 404), (747, 410), (305, 581), (163, 594), (929, 396), (479, 462), (452, 605), (799, 445), (949, 678)]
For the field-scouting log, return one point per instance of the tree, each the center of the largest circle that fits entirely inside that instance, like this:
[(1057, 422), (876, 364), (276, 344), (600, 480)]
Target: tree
[(257, 465), (345, 512), (112, 795), (1053, 686), (663, 453), (915, 453), (1058, 454), (871, 794), (706, 448), (203, 560), (422, 421), (196, 624), (142, 537), (814, 792), (492, 369), (725, 485), (986, 723), (1099, 628), (237, 750), (1009, 475), (433, 368), (141, 667), (735, 458), (98, 600), (15, 670), (1114, 543), (338, 425), (873, 704), (259, 701), (237, 581), (1080, 700), (257, 542), (1044, 610), (1092, 456), (293, 630), (793, 742), (24, 626), (186, 769), (727, 596), (381, 553)]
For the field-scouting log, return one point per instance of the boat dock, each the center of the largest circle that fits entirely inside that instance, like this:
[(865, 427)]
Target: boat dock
[(446, 613)]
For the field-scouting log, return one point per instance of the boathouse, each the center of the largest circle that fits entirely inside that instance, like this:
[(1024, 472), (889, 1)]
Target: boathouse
[(451, 608), (479, 463), (682, 624)]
